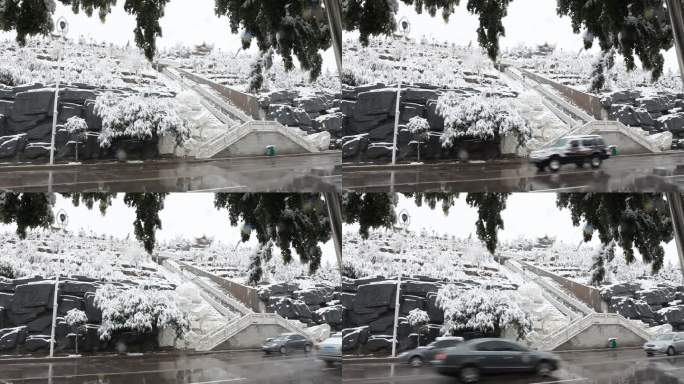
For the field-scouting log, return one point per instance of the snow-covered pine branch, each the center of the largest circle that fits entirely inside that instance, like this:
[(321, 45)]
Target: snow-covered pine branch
[(481, 118), (481, 310), (138, 309), (138, 117)]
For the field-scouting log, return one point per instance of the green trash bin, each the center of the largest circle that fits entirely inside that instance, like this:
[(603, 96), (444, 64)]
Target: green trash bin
[(271, 150), (612, 343), (614, 151)]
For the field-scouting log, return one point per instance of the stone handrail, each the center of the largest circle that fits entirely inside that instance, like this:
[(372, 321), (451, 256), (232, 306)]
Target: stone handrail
[(616, 126), (589, 296), (248, 296), (573, 302), (231, 329)]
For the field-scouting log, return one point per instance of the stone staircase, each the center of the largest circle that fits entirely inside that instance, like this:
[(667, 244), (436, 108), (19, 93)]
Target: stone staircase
[(233, 328), (577, 327), (263, 132)]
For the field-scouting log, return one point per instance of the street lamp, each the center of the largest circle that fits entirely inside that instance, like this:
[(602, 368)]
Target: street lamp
[(334, 205), (63, 220), (405, 26), (334, 12), (61, 30), (405, 221)]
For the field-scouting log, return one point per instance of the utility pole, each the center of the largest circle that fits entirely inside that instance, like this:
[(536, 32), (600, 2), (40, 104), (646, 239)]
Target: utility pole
[(674, 199)]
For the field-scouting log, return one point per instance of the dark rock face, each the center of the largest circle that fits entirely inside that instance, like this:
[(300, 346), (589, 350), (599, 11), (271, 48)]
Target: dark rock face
[(313, 305), (353, 338), (10, 338), (653, 113)]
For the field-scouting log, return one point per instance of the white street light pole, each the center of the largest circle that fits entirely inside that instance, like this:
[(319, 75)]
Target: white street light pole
[(62, 29), (405, 220), (396, 316), (405, 28), (54, 316)]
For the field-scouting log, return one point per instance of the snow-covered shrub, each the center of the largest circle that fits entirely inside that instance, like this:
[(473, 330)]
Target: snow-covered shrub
[(75, 317), (419, 127), (481, 310), (418, 319), (6, 270), (76, 125), (140, 310), (138, 117), (481, 118)]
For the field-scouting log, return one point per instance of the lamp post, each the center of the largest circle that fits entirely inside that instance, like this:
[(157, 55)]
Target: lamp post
[(61, 31), (63, 220), (405, 29), (405, 220)]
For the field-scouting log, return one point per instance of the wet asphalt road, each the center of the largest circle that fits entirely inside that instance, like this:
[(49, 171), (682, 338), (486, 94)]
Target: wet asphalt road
[(228, 367), (303, 173), (613, 367), (636, 173)]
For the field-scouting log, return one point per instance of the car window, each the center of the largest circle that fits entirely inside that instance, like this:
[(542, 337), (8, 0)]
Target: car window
[(561, 143), (600, 142), (588, 142), (666, 336), (486, 346), (445, 343), (506, 346), (297, 337), (574, 144)]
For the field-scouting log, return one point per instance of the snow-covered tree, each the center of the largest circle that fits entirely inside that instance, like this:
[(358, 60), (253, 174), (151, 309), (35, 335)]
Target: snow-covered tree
[(76, 319), (138, 117), (137, 309), (418, 319), (480, 310), (419, 128), (77, 128), (369, 210), (296, 221), (478, 117)]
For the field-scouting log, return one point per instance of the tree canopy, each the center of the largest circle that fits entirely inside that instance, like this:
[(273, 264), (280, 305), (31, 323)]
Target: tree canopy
[(635, 28), (296, 221), (369, 210), (640, 221), (293, 28)]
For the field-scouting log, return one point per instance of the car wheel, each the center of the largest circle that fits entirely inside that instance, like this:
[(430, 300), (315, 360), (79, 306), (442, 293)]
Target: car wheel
[(416, 361), (469, 375), (555, 164), (596, 161), (671, 351), (580, 164), (307, 348), (283, 350), (544, 369), (649, 354)]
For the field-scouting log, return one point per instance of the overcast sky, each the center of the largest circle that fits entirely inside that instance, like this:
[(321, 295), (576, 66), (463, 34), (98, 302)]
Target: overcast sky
[(530, 22), (529, 215), (186, 215), (186, 21)]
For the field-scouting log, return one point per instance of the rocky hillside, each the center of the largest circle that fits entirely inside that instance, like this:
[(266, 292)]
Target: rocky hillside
[(86, 264), (427, 262)]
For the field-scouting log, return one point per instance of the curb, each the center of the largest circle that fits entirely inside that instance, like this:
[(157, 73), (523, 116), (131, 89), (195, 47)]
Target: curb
[(351, 167), (46, 167), (109, 356)]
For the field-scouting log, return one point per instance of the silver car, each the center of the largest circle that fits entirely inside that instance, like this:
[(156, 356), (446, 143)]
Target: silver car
[(330, 349), (667, 343)]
